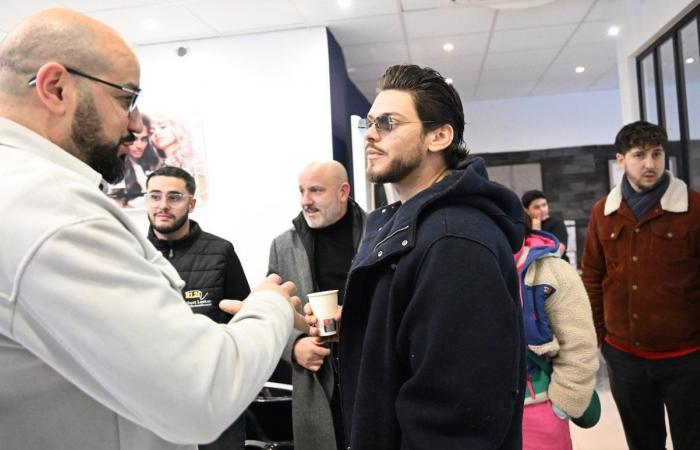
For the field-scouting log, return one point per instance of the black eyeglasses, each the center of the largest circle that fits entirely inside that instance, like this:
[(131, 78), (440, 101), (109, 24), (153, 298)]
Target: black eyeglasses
[(384, 124), (133, 91)]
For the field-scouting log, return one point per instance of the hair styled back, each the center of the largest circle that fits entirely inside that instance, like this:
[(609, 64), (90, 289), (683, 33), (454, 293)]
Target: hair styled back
[(176, 172), (435, 100), (640, 134)]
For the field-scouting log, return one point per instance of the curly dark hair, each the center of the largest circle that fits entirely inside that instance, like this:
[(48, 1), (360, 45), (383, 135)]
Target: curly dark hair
[(640, 134), (436, 101)]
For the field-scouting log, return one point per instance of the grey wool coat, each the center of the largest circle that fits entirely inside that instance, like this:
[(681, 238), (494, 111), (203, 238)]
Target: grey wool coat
[(291, 256)]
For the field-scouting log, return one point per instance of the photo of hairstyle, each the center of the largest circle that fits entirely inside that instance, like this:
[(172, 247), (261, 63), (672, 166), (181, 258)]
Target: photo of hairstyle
[(164, 141)]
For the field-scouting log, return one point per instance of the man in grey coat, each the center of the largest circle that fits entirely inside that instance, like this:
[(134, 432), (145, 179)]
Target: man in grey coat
[(316, 254)]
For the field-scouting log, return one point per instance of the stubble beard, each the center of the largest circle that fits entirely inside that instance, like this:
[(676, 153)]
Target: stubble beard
[(325, 218), (179, 223)]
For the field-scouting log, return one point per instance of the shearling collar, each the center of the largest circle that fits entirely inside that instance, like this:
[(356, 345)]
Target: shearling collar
[(675, 199)]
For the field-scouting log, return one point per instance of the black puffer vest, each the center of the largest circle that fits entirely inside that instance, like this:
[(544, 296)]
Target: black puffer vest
[(210, 268)]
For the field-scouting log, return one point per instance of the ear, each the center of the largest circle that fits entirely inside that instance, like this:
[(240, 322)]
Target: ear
[(440, 138), (193, 203), (51, 88), (620, 158), (344, 191)]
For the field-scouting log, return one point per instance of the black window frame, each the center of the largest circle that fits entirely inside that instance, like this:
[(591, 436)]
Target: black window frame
[(654, 49)]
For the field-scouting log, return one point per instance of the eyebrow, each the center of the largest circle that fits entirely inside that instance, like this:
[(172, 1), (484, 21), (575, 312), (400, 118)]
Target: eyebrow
[(390, 113)]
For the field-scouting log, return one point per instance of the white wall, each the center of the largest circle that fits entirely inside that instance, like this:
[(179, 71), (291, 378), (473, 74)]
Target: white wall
[(535, 123), (644, 22), (263, 102)]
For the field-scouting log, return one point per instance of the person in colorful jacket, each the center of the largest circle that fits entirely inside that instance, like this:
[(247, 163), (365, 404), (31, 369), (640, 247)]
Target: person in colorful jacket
[(559, 331)]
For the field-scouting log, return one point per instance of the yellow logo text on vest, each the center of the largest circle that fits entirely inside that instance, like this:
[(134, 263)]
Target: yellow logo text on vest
[(196, 299)]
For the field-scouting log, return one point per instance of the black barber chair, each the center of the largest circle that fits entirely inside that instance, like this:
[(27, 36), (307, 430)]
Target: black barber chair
[(269, 417)]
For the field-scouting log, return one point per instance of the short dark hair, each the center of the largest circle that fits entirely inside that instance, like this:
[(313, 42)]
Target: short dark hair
[(435, 100), (640, 134), (171, 171), (531, 196)]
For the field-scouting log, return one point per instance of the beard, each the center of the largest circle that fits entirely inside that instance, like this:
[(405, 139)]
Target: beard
[(102, 156), (326, 217), (179, 223), (398, 168)]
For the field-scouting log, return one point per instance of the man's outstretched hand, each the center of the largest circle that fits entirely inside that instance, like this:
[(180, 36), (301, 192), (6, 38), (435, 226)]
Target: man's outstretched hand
[(274, 283)]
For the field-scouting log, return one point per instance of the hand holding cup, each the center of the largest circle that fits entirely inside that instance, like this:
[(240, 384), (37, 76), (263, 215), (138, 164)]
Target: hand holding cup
[(323, 315)]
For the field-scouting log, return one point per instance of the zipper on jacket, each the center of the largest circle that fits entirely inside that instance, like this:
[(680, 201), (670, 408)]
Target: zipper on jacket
[(170, 254), (391, 235)]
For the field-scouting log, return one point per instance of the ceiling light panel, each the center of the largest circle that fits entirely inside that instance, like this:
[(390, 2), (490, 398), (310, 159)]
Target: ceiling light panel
[(449, 22), (174, 23), (557, 13), (385, 28), (466, 44), (381, 53), (592, 32), (530, 38), (324, 11), (607, 10), (515, 60), (412, 5), (245, 15)]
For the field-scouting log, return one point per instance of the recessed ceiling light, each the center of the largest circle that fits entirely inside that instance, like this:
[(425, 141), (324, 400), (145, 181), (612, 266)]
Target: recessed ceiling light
[(690, 60), (345, 3), (580, 69), (449, 80), (613, 30), (448, 46), (150, 24), (351, 69)]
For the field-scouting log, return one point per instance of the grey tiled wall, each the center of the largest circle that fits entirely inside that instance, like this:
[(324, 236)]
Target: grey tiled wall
[(573, 179)]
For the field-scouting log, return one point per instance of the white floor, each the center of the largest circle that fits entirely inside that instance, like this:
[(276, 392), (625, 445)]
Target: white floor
[(607, 434)]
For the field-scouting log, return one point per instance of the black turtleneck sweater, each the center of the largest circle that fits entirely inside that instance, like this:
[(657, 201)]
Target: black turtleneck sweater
[(333, 252)]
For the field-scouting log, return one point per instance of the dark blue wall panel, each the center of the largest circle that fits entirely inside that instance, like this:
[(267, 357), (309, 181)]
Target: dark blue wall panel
[(346, 100)]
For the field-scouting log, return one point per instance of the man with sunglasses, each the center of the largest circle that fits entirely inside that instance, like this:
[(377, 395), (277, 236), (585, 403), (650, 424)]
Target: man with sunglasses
[(206, 263), (97, 349), (431, 346)]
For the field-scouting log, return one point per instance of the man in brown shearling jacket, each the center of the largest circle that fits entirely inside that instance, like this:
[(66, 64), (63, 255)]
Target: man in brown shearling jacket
[(641, 268)]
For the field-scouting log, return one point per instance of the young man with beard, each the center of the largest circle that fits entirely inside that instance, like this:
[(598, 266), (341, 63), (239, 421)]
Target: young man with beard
[(207, 263), (431, 340), (641, 271), (316, 254), (98, 349)]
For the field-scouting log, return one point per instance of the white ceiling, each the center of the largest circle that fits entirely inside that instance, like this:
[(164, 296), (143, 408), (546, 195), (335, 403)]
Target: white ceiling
[(497, 53)]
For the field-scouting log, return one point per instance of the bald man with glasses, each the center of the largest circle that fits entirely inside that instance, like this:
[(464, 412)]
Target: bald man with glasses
[(97, 349)]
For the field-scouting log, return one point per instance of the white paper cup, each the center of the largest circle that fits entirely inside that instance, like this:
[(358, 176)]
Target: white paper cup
[(324, 304)]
